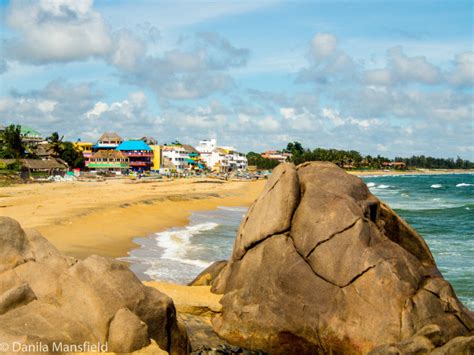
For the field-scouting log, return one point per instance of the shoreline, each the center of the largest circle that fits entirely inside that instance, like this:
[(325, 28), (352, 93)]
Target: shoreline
[(377, 172), (104, 218)]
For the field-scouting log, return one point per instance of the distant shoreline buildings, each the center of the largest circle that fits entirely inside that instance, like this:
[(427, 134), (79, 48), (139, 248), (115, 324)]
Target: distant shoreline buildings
[(112, 153)]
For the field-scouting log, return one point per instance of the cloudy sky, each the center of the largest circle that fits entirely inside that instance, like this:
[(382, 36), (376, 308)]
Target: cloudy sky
[(381, 77)]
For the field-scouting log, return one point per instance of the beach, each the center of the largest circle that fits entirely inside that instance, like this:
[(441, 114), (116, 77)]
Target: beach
[(103, 218), (82, 218)]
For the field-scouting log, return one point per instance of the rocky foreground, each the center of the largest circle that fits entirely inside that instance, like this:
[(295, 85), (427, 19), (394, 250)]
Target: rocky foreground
[(49, 301), (319, 266)]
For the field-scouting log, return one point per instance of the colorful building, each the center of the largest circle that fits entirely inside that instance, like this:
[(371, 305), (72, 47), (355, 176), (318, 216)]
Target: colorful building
[(139, 154), (110, 161), (156, 157), (86, 149), (109, 140)]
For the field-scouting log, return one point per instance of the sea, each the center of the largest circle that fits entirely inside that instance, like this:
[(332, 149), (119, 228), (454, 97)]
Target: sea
[(439, 207)]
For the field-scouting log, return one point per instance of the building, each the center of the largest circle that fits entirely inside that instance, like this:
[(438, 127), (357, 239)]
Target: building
[(221, 159), (109, 140), (276, 155), (30, 136), (139, 154), (38, 168), (395, 165), (157, 159), (109, 161), (86, 149), (194, 158), (175, 156)]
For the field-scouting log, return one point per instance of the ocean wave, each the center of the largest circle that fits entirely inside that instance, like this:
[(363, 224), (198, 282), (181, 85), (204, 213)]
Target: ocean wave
[(436, 186), (233, 209), (463, 184), (177, 243), (371, 184), (383, 186)]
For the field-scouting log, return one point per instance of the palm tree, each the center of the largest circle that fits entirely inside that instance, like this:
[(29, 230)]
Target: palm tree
[(56, 143)]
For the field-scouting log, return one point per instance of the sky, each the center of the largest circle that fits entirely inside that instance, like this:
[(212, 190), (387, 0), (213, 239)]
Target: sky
[(393, 78)]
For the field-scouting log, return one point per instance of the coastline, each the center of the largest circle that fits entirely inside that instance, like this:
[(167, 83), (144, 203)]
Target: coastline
[(103, 218), (409, 172)]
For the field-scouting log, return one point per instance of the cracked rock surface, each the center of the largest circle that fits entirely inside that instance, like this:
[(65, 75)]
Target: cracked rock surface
[(320, 265), (50, 298)]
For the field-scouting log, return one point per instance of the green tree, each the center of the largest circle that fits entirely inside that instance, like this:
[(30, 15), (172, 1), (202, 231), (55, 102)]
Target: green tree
[(11, 143), (261, 162), (56, 143), (71, 156)]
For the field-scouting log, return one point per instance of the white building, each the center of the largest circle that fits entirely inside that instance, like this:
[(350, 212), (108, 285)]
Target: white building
[(221, 159), (176, 155)]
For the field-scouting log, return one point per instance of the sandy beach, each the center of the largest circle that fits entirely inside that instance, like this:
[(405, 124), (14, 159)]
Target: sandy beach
[(84, 218)]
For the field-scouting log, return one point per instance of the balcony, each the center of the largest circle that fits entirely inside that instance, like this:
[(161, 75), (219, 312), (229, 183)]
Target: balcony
[(138, 154)]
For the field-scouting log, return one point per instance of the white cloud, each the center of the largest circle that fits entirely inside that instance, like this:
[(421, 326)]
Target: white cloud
[(463, 72), (378, 77), (98, 109), (287, 112), (56, 31), (402, 69), (127, 50), (335, 117), (327, 63), (412, 68), (323, 45), (269, 123)]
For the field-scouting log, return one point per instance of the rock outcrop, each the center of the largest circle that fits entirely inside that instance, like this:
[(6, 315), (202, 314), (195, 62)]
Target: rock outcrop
[(320, 265), (48, 298), (206, 276)]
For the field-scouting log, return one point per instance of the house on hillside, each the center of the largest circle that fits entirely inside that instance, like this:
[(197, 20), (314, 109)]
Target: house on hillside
[(139, 154)]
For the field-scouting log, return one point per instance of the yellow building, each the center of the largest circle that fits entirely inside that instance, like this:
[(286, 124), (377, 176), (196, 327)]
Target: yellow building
[(86, 149), (156, 157)]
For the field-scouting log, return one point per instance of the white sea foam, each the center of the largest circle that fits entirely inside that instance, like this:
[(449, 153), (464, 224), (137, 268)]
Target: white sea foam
[(383, 186), (370, 184), (234, 209), (177, 243), (436, 186), (463, 184)]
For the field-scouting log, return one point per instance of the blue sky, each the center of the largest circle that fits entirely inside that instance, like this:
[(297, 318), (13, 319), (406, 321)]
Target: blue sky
[(382, 77)]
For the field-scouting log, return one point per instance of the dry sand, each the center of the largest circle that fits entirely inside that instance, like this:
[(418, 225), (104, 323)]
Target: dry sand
[(84, 218)]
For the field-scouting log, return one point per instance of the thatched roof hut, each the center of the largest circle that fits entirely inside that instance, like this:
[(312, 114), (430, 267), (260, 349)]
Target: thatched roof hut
[(110, 138)]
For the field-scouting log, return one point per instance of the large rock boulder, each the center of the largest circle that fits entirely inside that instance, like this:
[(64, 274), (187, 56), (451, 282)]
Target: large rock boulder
[(321, 265), (49, 298)]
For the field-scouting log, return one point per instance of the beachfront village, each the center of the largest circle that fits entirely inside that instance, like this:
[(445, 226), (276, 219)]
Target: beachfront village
[(33, 155), (112, 154)]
